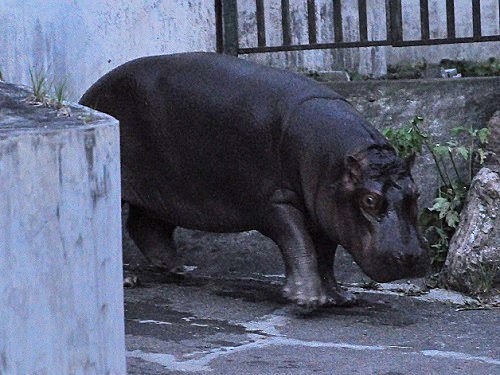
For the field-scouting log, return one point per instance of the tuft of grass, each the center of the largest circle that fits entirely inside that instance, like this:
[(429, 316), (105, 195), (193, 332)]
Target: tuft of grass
[(60, 94), (39, 85)]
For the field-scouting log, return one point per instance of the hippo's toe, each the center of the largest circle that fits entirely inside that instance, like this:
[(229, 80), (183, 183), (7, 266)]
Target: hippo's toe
[(308, 294), (341, 297)]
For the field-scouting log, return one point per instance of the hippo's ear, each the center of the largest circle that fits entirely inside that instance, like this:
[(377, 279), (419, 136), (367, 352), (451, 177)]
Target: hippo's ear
[(353, 169)]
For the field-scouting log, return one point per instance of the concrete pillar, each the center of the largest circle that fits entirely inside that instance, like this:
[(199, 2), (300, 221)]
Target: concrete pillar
[(61, 299)]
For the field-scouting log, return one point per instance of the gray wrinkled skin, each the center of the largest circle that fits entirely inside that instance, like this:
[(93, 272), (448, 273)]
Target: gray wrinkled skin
[(214, 143)]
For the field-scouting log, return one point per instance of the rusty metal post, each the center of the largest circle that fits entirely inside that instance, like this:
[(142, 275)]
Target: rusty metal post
[(395, 22), (230, 27)]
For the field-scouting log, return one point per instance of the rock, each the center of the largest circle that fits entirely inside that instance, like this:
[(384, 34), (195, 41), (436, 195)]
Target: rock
[(473, 261), (493, 146)]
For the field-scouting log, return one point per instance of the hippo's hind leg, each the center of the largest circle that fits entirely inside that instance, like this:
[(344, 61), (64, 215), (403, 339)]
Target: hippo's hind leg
[(337, 295), (153, 237)]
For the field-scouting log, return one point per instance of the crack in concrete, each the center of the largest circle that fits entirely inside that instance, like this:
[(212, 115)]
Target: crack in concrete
[(263, 333)]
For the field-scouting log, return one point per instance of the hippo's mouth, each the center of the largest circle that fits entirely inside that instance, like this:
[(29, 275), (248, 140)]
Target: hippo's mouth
[(386, 269)]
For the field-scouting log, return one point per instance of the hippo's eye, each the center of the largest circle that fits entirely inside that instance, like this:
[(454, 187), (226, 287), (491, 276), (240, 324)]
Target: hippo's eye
[(370, 201)]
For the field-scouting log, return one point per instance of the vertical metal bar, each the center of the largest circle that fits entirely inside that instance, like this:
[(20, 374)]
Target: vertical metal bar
[(476, 19), (363, 20), (424, 19), (450, 18), (285, 22), (230, 21), (337, 21), (261, 23), (311, 21), (218, 27), (396, 22), (388, 19)]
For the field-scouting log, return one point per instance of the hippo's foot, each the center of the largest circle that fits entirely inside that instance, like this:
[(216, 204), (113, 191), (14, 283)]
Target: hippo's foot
[(165, 264), (338, 296), (154, 239), (131, 281), (305, 293)]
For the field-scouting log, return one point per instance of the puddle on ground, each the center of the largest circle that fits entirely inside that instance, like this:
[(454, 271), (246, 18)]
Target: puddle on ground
[(160, 322)]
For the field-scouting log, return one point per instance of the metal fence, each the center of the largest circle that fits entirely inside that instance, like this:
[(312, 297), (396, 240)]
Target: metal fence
[(228, 41)]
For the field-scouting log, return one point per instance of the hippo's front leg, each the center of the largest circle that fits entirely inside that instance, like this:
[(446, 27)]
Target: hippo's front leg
[(337, 295), (286, 227)]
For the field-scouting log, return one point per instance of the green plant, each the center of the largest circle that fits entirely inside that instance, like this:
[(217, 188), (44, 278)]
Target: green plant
[(60, 93), (1, 75), (39, 85), (441, 220), (490, 67), (408, 139), (354, 75), (406, 70)]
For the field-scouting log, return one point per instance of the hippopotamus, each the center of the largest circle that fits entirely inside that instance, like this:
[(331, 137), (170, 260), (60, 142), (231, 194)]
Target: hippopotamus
[(220, 144)]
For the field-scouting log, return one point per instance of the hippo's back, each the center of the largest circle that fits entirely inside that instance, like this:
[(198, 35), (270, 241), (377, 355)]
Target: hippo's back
[(200, 134)]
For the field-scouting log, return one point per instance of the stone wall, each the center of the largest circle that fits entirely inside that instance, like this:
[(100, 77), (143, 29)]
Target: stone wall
[(443, 103)]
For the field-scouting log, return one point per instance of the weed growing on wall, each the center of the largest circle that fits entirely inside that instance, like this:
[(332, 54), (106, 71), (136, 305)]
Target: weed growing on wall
[(490, 67), (407, 140), (41, 89), (39, 85), (406, 70), (440, 221), (60, 94)]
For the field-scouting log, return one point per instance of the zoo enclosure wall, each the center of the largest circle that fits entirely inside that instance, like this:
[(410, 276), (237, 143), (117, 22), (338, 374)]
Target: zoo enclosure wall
[(79, 41)]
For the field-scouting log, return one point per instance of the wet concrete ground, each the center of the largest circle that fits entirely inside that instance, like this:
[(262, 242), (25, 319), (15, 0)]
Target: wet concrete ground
[(226, 316)]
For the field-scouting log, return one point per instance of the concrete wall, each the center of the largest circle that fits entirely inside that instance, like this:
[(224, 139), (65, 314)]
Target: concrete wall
[(81, 40), (370, 60), (61, 296)]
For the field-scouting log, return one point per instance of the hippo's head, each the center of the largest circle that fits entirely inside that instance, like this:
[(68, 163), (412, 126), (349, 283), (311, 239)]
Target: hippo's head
[(372, 212)]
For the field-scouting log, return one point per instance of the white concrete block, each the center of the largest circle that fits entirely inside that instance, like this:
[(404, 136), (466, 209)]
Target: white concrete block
[(61, 299)]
